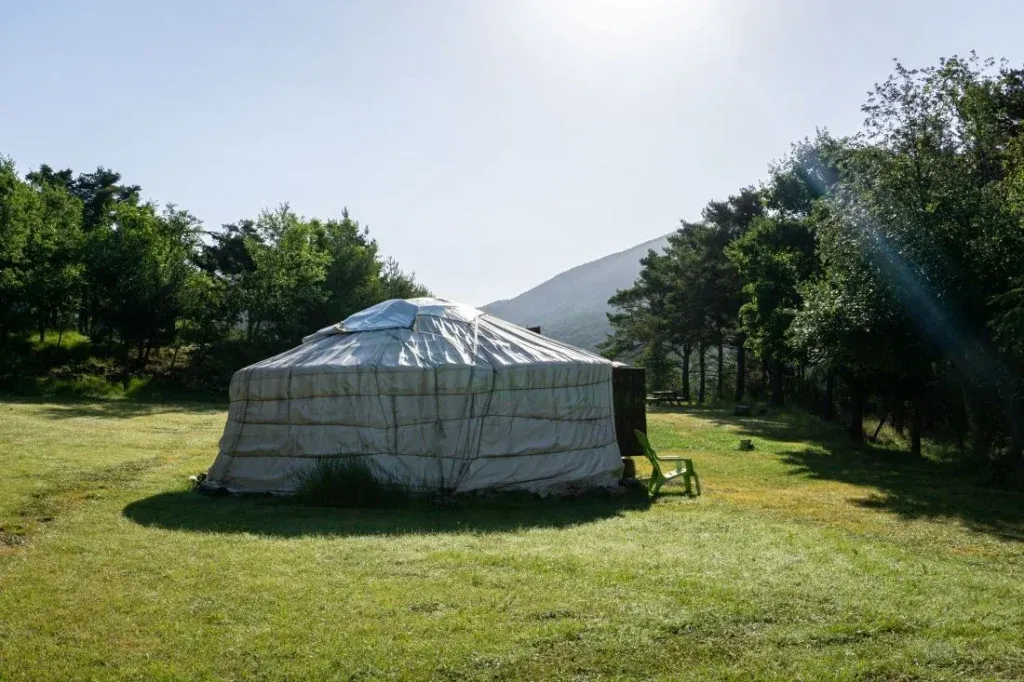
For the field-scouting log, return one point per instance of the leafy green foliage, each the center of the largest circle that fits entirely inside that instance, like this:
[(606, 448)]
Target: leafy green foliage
[(17, 208), (888, 261), (286, 283), (777, 254), (85, 251), (686, 298), (54, 250)]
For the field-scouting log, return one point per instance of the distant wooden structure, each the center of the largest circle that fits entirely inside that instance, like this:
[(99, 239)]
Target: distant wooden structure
[(667, 398), (629, 393)]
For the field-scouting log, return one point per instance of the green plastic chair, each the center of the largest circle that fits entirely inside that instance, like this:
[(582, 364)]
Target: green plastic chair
[(684, 468)]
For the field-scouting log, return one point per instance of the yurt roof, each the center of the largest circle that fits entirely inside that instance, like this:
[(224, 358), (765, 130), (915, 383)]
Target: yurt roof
[(398, 313), (425, 333)]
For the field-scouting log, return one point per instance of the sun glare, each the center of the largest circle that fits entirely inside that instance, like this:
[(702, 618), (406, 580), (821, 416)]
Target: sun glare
[(612, 28)]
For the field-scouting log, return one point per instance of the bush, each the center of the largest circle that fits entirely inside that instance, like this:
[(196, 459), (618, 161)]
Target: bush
[(75, 386), (350, 482)]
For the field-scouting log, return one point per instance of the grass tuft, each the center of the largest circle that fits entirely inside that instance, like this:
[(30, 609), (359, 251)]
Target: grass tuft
[(350, 483)]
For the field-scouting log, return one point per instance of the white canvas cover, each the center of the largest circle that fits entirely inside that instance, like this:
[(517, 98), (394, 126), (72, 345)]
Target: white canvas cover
[(437, 393)]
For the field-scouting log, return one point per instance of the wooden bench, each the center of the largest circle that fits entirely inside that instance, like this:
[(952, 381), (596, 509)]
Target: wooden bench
[(665, 398)]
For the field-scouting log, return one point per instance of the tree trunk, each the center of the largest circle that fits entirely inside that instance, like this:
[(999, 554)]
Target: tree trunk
[(915, 429), (83, 312), (687, 350), (979, 424), (765, 374), (139, 350), (174, 357), (828, 409), (741, 368), (776, 375), (88, 320), (721, 372), (145, 356), (60, 327), (42, 328), (899, 417), (857, 415), (1015, 457), (878, 429), (701, 356), (127, 357), (1016, 428)]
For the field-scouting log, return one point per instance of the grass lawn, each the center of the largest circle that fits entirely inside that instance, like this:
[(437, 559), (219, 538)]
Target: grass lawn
[(804, 559)]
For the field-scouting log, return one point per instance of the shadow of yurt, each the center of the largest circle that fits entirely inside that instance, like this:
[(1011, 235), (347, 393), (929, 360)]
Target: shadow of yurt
[(286, 518)]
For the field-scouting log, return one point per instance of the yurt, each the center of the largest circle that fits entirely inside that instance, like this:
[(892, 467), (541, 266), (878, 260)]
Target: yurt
[(439, 395)]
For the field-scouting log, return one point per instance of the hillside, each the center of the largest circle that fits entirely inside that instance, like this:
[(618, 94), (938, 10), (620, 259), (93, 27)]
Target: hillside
[(572, 306)]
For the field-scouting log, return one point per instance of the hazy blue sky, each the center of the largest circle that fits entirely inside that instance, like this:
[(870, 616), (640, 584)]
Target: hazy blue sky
[(488, 144)]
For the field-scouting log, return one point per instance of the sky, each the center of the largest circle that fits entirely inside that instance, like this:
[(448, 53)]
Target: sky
[(487, 144)]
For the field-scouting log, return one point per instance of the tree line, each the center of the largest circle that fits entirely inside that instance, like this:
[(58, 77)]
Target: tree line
[(86, 253), (879, 271)]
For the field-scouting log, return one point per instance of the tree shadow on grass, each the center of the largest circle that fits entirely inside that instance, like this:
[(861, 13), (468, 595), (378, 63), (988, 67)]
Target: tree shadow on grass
[(117, 409), (909, 487), (287, 518), (916, 488), (783, 425)]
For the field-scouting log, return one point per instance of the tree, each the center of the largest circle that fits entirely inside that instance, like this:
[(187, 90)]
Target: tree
[(917, 246), (19, 210), (641, 323), (352, 270), (687, 298), (142, 266), (228, 255), (888, 262), (139, 277), (776, 255), (705, 296), (100, 194), (285, 289), (207, 314), (396, 283), (54, 253)]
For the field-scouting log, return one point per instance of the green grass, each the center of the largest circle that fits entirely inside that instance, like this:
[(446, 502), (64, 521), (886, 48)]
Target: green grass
[(804, 559), (70, 339)]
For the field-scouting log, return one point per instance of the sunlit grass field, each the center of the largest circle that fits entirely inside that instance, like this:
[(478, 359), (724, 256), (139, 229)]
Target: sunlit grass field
[(804, 559)]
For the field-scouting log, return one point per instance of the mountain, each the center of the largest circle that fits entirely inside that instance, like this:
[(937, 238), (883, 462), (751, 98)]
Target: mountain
[(572, 306)]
